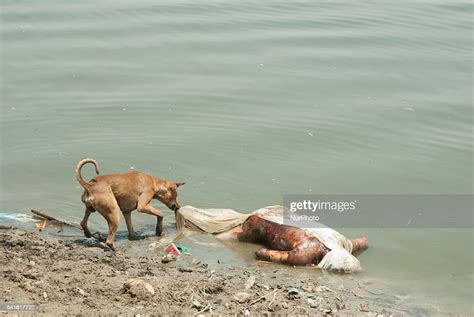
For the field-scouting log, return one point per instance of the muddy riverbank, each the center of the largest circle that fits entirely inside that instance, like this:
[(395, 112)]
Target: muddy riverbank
[(74, 277)]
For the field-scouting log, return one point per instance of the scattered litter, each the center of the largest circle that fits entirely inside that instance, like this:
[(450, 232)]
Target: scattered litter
[(172, 249), (40, 226), (138, 288), (262, 297), (182, 248), (196, 304), (321, 289), (82, 292), (168, 258), (241, 297), (314, 303), (294, 293), (307, 288), (363, 307), (250, 282)]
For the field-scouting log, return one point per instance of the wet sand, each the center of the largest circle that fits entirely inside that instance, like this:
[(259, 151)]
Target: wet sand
[(79, 277)]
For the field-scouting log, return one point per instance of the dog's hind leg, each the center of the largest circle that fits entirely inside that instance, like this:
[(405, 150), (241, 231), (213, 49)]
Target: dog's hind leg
[(84, 227), (113, 220), (108, 207), (128, 221)]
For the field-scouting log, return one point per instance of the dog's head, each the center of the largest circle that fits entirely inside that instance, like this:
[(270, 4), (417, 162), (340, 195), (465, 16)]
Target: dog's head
[(166, 192)]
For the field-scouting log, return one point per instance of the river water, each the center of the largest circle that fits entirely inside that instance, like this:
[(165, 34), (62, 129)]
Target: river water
[(247, 101)]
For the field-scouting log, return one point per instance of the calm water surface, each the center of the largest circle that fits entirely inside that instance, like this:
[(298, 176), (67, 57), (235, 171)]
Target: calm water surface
[(247, 101)]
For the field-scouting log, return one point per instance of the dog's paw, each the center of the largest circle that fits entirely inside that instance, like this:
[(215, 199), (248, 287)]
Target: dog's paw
[(98, 236), (159, 229), (136, 237)]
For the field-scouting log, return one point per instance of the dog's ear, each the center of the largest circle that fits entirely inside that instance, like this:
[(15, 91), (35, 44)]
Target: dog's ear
[(179, 184)]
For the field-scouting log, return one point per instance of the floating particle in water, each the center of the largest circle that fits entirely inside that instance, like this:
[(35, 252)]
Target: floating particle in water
[(124, 109), (409, 109), (310, 133), (261, 65), (12, 108), (132, 167)]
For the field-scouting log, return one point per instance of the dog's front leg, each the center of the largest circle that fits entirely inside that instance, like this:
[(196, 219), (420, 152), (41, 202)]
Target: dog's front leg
[(159, 226), (145, 207), (149, 209)]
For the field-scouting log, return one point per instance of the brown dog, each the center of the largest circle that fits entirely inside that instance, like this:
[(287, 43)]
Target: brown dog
[(110, 194)]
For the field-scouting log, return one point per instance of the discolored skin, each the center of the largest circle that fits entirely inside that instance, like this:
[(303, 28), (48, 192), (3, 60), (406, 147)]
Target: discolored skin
[(288, 245)]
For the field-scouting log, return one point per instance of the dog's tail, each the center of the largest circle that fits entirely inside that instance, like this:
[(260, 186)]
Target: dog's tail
[(78, 171)]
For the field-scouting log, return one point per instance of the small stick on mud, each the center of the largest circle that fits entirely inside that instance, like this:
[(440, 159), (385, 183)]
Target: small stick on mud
[(271, 302), (203, 310), (262, 297)]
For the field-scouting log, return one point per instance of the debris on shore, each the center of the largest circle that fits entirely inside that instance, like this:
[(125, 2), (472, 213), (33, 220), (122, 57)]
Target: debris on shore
[(67, 278)]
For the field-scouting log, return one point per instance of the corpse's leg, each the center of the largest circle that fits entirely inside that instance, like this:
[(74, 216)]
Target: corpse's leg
[(359, 245)]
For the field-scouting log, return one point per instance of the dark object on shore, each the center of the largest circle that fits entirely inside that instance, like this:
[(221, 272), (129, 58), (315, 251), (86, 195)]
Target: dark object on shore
[(5, 227), (44, 216)]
